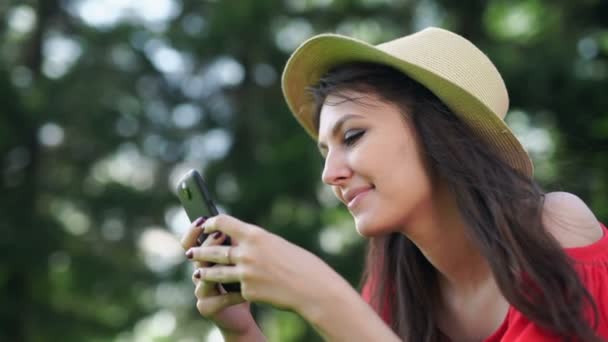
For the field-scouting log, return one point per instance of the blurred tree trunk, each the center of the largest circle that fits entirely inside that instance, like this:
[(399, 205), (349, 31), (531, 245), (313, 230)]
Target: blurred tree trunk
[(22, 198)]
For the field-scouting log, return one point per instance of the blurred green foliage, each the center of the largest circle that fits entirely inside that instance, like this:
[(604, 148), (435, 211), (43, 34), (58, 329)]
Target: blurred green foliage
[(103, 104)]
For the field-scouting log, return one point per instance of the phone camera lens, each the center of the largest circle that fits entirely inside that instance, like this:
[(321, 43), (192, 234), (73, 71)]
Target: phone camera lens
[(186, 191)]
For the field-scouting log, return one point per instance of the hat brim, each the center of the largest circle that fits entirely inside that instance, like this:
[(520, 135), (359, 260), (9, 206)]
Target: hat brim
[(318, 55)]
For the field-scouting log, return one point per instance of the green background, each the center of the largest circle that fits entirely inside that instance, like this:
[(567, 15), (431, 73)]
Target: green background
[(105, 103)]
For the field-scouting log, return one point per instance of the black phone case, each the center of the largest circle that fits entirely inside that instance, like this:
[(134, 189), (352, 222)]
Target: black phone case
[(196, 200)]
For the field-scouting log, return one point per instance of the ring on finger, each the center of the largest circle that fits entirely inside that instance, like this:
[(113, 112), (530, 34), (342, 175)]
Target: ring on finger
[(228, 261)]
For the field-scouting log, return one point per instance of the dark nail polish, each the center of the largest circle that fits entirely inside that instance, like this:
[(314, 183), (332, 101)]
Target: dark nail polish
[(189, 254), (199, 221), (217, 235), (197, 274)]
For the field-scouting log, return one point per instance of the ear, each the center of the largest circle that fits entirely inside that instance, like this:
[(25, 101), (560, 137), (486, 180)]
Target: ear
[(570, 220)]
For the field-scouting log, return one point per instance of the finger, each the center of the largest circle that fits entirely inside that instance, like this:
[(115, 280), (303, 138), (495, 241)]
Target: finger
[(196, 278), (220, 274), (209, 289), (215, 254), (206, 289), (210, 306), (216, 238), (189, 239), (234, 242), (231, 226)]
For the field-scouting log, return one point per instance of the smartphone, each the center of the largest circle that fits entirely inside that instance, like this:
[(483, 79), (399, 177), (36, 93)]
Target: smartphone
[(196, 200)]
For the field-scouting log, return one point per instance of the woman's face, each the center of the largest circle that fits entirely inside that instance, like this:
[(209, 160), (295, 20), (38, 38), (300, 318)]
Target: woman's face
[(373, 162)]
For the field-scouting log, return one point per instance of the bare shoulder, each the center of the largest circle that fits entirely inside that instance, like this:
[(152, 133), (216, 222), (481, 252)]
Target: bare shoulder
[(570, 220)]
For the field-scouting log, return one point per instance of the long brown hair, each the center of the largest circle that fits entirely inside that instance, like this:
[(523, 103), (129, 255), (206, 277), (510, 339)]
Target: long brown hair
[(501, 208)]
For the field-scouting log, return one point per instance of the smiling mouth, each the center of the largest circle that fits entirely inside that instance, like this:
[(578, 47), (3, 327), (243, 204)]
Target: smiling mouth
[(358, 198)]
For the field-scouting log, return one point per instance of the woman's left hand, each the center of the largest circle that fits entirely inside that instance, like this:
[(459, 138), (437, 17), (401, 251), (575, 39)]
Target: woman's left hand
[(269, 268)]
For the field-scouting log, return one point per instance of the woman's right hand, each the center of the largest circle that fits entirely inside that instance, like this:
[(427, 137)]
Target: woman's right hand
[(228, 310)]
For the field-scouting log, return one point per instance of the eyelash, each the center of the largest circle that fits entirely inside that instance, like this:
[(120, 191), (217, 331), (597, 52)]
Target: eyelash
[(351, 139)]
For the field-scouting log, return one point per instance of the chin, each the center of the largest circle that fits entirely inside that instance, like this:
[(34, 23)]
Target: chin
[(369, 228), (374, 223)]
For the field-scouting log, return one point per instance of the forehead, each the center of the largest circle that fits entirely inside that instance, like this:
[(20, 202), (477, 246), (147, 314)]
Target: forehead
[(347, 102)]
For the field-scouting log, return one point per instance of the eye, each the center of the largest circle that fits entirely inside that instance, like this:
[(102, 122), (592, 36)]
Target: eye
[(351, 136)]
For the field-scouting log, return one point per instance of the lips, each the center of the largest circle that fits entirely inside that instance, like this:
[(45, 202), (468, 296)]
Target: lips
[(352, 195)]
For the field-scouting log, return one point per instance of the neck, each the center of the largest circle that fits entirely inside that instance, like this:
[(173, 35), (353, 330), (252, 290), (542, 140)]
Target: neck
[(438, 230)]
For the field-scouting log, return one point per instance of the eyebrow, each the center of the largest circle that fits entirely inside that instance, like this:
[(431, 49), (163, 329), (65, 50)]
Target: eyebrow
[(337, 126)]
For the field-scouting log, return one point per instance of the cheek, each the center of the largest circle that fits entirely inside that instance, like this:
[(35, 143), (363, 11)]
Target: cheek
[(403, 187), (401, 167), (411, 183), (337, 192)]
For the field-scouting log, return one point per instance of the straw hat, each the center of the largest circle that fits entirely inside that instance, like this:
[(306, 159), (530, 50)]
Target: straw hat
[(447, 64)]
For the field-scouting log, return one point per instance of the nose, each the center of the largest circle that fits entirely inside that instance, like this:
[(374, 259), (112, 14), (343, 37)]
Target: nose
[(335, 170)]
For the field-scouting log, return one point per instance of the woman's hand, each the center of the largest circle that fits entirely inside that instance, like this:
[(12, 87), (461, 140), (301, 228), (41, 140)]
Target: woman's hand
[(228, 311), (274, 271), (270, 269)]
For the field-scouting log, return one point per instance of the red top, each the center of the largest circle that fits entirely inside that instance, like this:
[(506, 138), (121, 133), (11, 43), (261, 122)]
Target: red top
[(592, 267)]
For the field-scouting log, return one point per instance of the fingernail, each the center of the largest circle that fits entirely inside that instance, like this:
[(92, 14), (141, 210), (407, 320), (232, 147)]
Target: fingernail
[(199, 221), (197, 274), (189, 254), (217, 235)]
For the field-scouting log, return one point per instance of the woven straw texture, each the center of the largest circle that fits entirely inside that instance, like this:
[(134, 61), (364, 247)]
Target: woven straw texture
[(447, 64)]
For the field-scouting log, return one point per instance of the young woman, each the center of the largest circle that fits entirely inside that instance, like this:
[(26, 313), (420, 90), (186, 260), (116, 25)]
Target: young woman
[(463, 244)]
